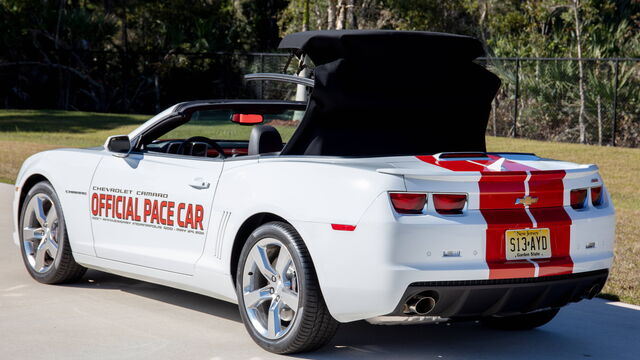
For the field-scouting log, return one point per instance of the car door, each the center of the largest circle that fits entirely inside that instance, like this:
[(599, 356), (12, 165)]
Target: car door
[(153, 209)]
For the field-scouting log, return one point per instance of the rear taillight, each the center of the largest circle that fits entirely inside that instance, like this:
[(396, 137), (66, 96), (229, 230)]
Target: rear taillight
[(596, 195), (449, 204), (408, 203), (578, 197)]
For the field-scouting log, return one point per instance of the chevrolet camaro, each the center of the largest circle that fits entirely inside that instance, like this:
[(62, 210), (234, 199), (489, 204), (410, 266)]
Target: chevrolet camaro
[(382, 205)]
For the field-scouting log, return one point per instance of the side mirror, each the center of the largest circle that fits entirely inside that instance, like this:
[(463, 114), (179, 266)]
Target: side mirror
[(247, 119), (119, 145)]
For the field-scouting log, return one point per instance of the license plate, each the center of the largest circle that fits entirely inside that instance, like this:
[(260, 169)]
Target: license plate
[(528, 244)]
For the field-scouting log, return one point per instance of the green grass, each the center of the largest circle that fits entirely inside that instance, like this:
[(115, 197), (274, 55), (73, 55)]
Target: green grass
[(64, 128), (620, 169), (26, 132), (226, 131)]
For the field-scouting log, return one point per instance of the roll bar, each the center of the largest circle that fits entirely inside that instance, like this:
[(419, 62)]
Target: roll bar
[(292, 79)]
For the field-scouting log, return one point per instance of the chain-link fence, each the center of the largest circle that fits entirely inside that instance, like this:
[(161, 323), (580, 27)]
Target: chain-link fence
[(539, 98), (120, 82)]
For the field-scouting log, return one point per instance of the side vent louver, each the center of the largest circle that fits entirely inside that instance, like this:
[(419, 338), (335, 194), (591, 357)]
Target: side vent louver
[(224, 220)]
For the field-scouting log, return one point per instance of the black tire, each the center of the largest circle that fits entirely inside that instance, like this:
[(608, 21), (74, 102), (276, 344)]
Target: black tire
[(313, 326), (521, 322), (63, 268)]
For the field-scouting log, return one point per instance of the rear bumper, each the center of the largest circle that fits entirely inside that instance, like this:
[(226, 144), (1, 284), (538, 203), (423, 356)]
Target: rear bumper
[(479, 298), (366, 272)]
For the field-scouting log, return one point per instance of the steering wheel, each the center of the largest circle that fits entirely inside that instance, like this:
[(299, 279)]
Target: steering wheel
[(203, 139)]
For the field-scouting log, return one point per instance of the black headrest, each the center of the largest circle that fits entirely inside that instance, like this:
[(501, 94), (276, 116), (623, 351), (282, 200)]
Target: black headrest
[(264, 139)]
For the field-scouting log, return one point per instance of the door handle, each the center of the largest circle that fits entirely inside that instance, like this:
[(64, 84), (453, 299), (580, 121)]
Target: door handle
[(199, 183)]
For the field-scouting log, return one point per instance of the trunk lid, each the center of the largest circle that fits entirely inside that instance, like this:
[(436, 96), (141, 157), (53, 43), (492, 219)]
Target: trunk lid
[(496, 180)]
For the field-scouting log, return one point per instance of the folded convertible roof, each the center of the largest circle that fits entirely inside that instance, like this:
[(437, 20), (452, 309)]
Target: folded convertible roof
[(381, 93), (328, 45)]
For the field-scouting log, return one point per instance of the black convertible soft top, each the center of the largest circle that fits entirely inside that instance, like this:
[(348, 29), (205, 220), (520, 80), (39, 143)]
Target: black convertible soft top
[(328, 45), (384, 92)]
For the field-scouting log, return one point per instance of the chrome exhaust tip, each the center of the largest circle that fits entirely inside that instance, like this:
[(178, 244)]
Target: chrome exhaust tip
[(420, 304), (593, 291)]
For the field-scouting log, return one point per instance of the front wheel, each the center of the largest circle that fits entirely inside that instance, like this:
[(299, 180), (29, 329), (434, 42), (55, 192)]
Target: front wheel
[(44, 243), (521, 322), (278, 293)]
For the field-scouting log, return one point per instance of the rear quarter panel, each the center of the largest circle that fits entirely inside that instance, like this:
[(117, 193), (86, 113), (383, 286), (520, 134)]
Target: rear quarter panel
[(319, 193), (302, 190)]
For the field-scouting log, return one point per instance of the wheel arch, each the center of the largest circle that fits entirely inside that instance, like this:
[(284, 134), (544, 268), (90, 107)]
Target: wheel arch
[(247, 227), (31, 181)]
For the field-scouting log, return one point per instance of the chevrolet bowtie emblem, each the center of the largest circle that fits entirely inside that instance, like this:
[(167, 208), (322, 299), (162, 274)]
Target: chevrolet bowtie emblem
[(527, 200)]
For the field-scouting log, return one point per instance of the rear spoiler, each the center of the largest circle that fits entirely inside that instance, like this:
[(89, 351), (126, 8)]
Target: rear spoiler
[(447, 175), (466, 155)]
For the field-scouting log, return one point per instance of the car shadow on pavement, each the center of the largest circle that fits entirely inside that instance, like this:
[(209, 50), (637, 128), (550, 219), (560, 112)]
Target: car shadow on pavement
[(205, 304), (591, 329), (587, 330), (456, 340)]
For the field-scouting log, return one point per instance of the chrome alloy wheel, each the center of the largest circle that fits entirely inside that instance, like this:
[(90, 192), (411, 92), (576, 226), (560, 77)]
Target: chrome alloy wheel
[(270, 288), (40, 233)]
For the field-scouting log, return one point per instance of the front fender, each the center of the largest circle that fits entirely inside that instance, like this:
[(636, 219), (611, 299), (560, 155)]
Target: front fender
[(70, 172)]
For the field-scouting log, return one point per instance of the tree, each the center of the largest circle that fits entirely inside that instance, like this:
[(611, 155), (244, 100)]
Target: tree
[(578, 30), (331, 14), (342, 15)]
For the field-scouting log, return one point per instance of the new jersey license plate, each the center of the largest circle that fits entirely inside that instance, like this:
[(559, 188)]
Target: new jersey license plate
[(528, 244)]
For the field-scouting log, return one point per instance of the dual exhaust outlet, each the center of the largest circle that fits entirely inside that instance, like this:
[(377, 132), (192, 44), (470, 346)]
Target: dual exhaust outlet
[(420, 304), (423, 303)]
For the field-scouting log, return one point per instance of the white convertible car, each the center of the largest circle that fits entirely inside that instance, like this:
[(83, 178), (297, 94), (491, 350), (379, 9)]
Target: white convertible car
[(384, 204)]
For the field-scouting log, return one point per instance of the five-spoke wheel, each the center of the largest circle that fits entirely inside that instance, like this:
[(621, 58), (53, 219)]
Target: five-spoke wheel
[(45, 248), (40, 232), (270, 292), (278, 292)]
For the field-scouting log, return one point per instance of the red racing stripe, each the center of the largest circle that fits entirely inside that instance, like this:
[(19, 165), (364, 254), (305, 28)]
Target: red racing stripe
[(454, 165), (509, 165), (498, 190), (476, 165), (549, 212), (497, 195)]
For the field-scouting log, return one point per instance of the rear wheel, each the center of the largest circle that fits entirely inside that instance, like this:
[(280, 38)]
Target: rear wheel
[(43, 238), (521, 322), (278, 293)]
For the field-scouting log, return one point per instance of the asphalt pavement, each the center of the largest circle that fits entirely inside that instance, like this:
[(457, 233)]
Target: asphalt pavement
[(106, 316)]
